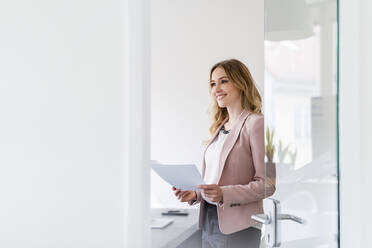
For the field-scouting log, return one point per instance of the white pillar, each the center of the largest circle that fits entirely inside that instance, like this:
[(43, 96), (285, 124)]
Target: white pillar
[(350, 162), (136, 174), (366, 117)]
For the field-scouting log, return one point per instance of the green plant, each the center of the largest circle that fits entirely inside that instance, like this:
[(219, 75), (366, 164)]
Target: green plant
[(282, 151), (270, 147), (293, 156)]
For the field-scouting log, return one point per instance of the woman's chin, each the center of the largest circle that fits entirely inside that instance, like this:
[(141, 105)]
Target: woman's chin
[(221, 104)]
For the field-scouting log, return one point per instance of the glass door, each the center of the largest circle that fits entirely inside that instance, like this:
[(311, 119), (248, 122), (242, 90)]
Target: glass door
[(300, 96)]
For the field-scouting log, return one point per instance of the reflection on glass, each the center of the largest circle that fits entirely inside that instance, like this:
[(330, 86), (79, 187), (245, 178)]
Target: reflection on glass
[(301, 109)]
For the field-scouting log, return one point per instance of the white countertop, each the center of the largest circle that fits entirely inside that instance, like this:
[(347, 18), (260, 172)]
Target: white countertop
[(177, 232)]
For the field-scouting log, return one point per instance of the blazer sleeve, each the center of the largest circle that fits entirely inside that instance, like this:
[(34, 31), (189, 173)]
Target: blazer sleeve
[(258, 188)]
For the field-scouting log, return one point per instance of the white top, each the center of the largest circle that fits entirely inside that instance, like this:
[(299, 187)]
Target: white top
[(212, 160)]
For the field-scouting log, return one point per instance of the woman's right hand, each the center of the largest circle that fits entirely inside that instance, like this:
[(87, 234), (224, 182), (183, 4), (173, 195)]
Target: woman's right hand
[(184, 196)]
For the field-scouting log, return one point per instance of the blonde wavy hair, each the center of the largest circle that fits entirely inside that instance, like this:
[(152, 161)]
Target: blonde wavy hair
[(240, 76)]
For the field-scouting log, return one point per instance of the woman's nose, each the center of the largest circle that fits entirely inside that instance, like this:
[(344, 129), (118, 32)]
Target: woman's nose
[(215, 90)]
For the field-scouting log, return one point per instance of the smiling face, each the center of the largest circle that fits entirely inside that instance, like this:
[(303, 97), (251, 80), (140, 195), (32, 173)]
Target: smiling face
[(223, 90)]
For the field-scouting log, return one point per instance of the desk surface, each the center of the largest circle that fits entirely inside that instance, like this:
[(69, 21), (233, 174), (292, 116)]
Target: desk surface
[(177, 232)]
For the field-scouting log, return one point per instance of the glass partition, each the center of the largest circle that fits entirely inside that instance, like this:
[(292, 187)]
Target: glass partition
[(301, 118)]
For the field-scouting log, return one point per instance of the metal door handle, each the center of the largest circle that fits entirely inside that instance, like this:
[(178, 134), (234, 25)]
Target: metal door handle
[(272, 219), (262, 218), (291, 217), (271, 230), (265, 219)]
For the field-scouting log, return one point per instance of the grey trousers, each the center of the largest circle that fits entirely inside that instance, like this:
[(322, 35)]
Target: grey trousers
[(212, 237)]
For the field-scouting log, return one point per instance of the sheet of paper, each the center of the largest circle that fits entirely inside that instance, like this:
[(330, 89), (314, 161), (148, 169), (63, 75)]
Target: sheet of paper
[(181, 176)]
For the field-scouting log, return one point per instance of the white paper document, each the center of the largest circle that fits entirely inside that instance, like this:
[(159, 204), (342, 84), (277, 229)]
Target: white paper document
[(181, 176)]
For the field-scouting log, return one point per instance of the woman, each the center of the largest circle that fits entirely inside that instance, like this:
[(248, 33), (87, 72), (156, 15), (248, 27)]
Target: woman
[(233, 167)]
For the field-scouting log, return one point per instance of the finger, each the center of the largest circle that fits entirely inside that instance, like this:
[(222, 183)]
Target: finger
[(212, 197), (181, 194), (177, 192), (187, 193), (185, 196), (174, 188), (204, 186), (209, 195), (207, 186), (210, 191)]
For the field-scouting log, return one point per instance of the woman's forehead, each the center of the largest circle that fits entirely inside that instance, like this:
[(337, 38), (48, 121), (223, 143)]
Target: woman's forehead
[(218, 73)]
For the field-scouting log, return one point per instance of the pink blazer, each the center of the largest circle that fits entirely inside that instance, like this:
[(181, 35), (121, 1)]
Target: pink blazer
[(241, 175)]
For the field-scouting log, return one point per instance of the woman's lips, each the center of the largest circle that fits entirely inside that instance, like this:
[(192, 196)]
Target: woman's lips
[(219, 97)]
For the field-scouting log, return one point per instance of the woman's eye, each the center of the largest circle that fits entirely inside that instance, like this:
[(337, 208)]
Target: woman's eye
[(224, 81), (213, 84)]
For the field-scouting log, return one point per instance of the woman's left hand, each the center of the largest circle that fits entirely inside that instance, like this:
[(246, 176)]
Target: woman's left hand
[(212, 191)]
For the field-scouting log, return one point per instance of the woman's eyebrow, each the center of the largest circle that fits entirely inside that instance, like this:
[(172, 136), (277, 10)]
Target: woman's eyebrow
[(219, 78)]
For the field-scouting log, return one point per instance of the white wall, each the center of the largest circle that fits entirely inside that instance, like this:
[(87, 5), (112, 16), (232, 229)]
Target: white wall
[(187, 39), (350, 171), (355, 122), (61, 124), (366, 117)]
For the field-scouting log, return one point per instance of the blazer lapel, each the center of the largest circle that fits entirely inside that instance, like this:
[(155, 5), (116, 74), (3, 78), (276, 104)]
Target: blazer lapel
[(230, 141)]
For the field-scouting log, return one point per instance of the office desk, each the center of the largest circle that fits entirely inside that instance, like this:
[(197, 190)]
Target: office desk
[(182, 228)]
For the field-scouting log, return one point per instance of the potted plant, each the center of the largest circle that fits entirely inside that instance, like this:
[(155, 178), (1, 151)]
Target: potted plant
[(270, 147)]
